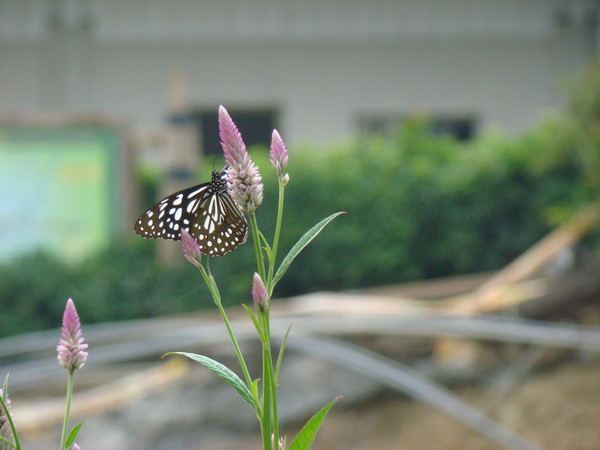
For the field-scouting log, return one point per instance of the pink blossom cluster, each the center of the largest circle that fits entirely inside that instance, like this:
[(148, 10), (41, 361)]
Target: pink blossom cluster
[(71, 349), (245, 182)]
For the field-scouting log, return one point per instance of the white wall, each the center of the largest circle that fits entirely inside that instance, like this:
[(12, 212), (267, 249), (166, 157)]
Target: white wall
[(504, 70)]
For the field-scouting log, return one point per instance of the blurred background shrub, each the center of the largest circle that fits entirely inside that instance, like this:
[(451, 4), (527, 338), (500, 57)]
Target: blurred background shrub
[(418, 206)]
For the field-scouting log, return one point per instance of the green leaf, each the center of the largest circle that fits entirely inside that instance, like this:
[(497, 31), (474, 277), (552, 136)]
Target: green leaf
[(266, 247), (7, 442), (269, 254), (222, 371), (280, 356), (308, 433), (255, 394), (256, 324), (73, 435), (4, 407), (299, 246)]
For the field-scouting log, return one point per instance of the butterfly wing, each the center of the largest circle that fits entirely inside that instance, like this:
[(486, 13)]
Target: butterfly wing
[(167, 217), (205, 211), (221, 225)]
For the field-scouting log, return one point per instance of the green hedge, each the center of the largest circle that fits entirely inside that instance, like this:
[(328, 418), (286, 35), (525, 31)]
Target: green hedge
[(417, 207)]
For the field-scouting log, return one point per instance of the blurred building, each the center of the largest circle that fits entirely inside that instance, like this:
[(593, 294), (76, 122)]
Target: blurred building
[(77, 77), (315, 69)]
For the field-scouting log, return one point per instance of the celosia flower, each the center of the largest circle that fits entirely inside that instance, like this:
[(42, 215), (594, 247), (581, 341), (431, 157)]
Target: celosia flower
[(245, 182), (191, 248), (71, 349), (75, 446), (259, 293), (279, 156), (5, 429)]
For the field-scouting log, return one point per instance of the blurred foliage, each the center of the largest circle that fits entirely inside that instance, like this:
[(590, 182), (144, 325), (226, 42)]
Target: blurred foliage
[(121, 283), (584, 113), (418, 206)]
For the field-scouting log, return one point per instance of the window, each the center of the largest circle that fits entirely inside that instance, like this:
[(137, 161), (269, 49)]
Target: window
[(255, 125), (461, 128)]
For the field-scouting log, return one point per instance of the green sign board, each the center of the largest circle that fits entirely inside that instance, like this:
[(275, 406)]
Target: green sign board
[(58, 189)]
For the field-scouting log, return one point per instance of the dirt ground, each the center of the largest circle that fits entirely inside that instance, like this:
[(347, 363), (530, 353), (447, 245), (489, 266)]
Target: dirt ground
[(555, 409)]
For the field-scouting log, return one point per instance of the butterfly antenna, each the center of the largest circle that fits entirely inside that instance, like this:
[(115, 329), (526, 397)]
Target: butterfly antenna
[(215, 162)]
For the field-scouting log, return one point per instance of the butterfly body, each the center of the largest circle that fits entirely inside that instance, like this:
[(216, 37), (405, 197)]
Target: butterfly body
[(205, 211)]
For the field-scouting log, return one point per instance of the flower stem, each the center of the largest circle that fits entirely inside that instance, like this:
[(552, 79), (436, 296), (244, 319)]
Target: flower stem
[(270, 422), (277, 233), (259, 257), (65, 429), (266, 418), (272, 381), (214, 290)]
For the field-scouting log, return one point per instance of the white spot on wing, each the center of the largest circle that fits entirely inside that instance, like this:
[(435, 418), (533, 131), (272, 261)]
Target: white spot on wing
[(192, 206), (196, 192)]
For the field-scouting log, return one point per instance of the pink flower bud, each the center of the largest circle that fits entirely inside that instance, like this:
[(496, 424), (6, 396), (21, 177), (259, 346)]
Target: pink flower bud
[(191, 248), (71, 349), (279, 156), (259, 293)]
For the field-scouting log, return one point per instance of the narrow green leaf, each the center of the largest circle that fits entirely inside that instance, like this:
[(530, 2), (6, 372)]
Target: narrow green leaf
[(307, 434), (264, 240), (255, 394), (7, 442), (299, 246), (4, 407), (280, 356), (269, 254), (255, 321), (223, 371), (73, 435)]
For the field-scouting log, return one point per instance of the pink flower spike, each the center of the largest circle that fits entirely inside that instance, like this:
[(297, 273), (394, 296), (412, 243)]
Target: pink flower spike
[(191, 248), (5, 429), (245, 182), (279, 156), (75, 446), (259, 293), (234, 148), (71, 349)]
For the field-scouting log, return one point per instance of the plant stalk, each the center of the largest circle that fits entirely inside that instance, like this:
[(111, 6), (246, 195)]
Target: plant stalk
[(277, 233), (272, 380), (63, 439), (214, 290), (257, 250), (266, 418)]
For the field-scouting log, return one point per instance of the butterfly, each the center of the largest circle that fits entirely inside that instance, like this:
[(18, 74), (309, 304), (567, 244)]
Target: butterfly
[(205, 211)]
